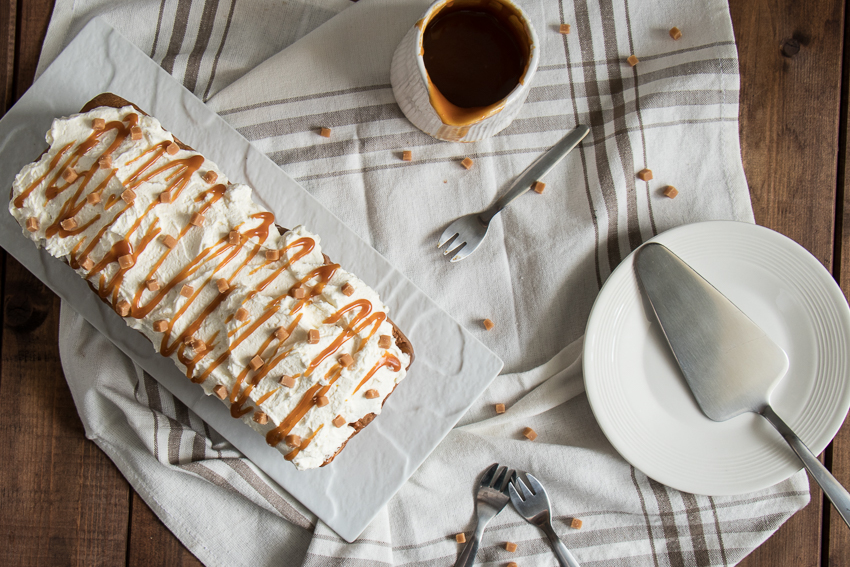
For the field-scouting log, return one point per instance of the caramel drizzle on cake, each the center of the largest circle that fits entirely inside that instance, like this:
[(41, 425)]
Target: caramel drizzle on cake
[(157, 162)]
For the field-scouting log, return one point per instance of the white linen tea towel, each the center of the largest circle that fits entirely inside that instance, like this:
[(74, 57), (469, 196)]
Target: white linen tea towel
[(278, 76)]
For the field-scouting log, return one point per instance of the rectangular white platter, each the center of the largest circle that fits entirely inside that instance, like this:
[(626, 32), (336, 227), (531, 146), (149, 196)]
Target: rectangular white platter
[(451, 370)]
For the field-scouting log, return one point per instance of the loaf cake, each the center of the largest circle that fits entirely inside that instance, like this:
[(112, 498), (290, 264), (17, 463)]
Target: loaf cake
[(297, 347)]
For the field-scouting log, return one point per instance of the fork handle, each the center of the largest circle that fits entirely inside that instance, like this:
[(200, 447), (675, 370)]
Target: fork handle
[(467, 556), (565, 558), (535, 171)]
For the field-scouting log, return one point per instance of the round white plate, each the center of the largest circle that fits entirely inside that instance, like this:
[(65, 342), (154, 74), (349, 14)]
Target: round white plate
[(642, 402)]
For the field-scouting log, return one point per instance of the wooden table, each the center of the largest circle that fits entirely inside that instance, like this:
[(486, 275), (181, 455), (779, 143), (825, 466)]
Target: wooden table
[(62, 501)]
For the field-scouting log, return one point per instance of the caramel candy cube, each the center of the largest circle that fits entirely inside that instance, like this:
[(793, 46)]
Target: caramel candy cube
[(123, 307), (256, 362), (671, 192), (281, 334), (172, 148), (242, 314), (529, 434), (676, 33), (68, 224), (575, 523), (644, 174), (372, 394), (298, 292), (500, 408), (322, 401), (564, 29), (135, 133), (104, 162), (160, 326), (338, 421), (169, 241), (538, 187), (488, 324), (165, 197), (197, 220), (510, 546), (272, 255), (325, 132), (233, 238), (187, 340), (210, 176), (93, 198), (32, 224), (407, 155), (87, 264), (632, 60), (467, 162), (220, 391), (128, 196), (385, 341), (152, 284), (198, 346), (222, 285), (313, 336), (346, 360), (348, 289), (69, 175), (512, 564), (293, 441), (187, 290), (126, 261), (260, 418), (286, 381), (98, 124), (461, 537)]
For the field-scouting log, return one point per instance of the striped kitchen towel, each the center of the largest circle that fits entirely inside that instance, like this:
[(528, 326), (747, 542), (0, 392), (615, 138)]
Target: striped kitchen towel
[(279, 72)]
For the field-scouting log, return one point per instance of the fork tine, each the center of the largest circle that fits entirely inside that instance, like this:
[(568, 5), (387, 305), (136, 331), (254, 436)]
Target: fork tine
[(447, 235), (500, 477), (467, 250), (507, 481), (488, 475), (526, 493), (535, 484), (452, 249), (514, 494)]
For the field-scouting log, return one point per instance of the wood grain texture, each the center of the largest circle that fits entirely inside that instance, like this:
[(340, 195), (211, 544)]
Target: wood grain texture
[(8, 13), (33, 17), (152, 544)]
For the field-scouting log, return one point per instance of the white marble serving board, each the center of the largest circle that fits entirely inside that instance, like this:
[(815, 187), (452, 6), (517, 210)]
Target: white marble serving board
[(451, 370)]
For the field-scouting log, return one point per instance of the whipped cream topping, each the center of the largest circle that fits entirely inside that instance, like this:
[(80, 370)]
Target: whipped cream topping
[(125, 214)]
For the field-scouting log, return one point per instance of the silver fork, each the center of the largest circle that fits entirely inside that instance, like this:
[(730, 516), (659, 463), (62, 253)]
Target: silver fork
[(491, 497), (535, 507), (464, 235)]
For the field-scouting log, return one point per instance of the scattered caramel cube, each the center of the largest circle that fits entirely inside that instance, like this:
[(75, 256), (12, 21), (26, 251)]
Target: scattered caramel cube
[(293, 441), (160, 325), (126, 261), (385, 341), (152, 284), (169, 241), (272, 255), (68, 224), (69, 175), (197, 220), (529, 434), (322, 401), (325, 132), (242, 314), (348, 289), (256, 362), (564, 29), (187, 290), (461, 537), (467, 162), (671, 192), (676, 33), (538, 187), (234, 239), (123, 307), (172, 149), (98, 124), (165, 197), (512, 564), (220, 391), (313, 336), (128, 196), (338, 421), (93, 198), (32, 224), (488, 324), (135, 133), (500, 408), (281, 334), (187, 340), (346, 360), (575, 523), (210, 177), (198, 346), (632, 60), (104, 162), (510, 546), (222, 284), (87, 264), (407, 155), (260, 418), (286, 381), (644, 174), (298, 292), (372, 394)]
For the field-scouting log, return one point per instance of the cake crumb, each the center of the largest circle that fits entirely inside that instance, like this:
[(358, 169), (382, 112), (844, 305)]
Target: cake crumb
[(510, 546), (671, 192), (564, 29), (220, 391), (488, 324), (529, 434), (675, 33), (407, 155), (261, 417), (538, 186), (325, 132), (385, 341), (500, 408), (632, 60), (575, 523), (461, 537), (338, 421), (467, 162), (644, 174)]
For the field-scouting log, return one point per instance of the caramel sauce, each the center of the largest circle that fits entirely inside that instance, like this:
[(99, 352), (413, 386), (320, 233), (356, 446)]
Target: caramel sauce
[(387, 360), (294, 453)]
